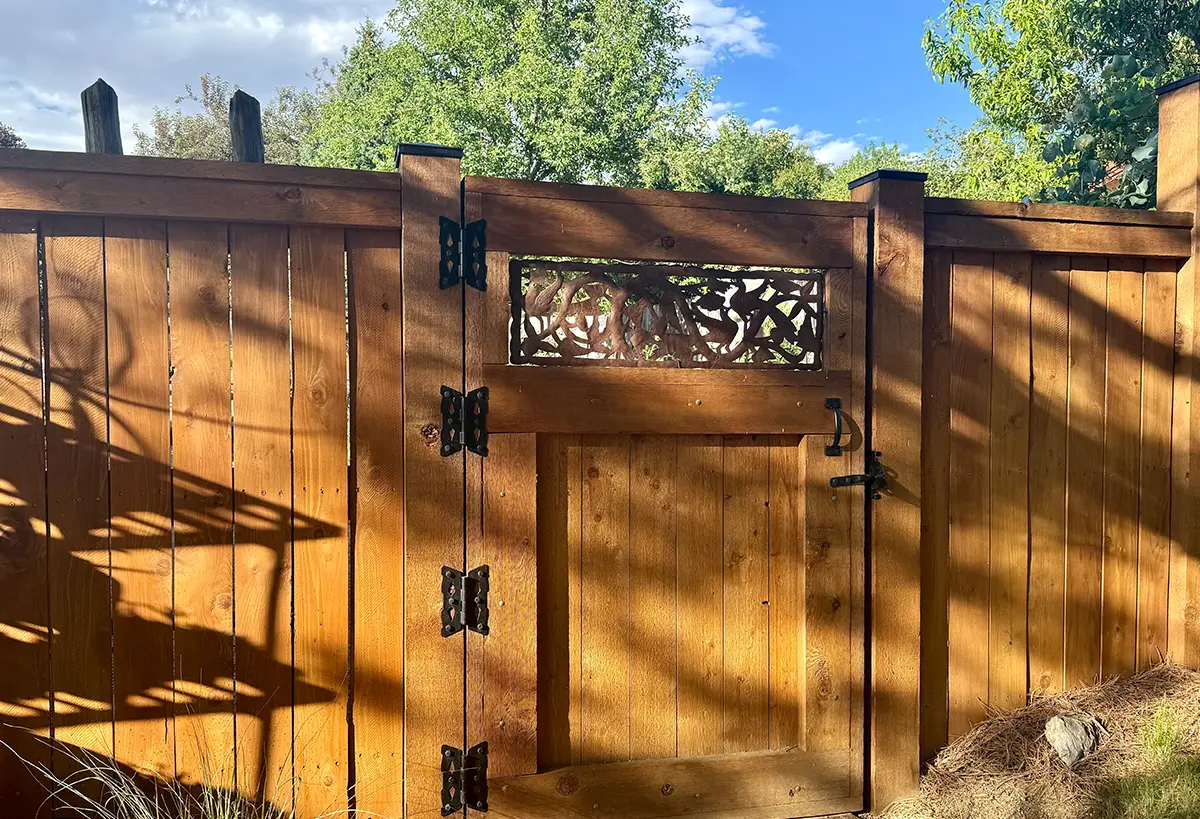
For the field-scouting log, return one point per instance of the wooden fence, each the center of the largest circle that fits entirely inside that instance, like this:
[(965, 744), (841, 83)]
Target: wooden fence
[(221, 428)]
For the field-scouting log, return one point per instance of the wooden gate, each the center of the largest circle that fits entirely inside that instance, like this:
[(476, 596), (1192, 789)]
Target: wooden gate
[(676, 591)]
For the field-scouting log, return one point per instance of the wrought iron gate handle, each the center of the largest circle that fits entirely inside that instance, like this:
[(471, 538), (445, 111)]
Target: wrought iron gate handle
[(835, 404)]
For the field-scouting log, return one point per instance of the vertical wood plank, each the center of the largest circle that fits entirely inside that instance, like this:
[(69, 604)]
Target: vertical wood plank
[(507, 688), (25, 643), (558, 599), (935, 505), (827, 600), (496, 310), (377, 377), (839, 305), (433, 486), (860, 691), (785, 728), (202, 450), (1009, 482), (746, 590), (140, 481), (77, 481), (701, 646), (652, 595), (262, 528), (1122, 443), (320, 518), (1085, 468), (970, 492), (1048, 471), (1154, 515), (604, 733)]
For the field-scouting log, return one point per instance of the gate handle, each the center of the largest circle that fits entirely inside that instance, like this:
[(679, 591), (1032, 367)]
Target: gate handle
[(835, 404)]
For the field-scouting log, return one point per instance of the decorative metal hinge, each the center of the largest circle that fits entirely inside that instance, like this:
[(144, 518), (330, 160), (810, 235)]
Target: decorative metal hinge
[(465, 601), (874, 480), (462, 248), (464, 421), (464, 779)]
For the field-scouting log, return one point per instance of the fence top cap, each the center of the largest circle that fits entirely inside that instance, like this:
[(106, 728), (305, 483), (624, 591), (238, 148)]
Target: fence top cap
[(1181, 83), (889, 173), (426, 149)]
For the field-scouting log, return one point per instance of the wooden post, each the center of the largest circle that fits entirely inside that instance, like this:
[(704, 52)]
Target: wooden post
[(101, 120), (245, 128), (1179, 190), (897, 199)]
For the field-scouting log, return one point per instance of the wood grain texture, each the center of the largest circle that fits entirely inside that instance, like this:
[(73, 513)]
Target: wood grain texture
[(262, 529), (785, 631), (24, 616), (970, 491), (202, 451), (506, 693), (433, 485), (1009, 482), (320, 504), (1154, 491), (700, 617), (135, 256), (839, 320), (1059, 213), (1021, 235), (604, 592), (1085, 468), (1047, 470), (935, 504), (746, 594), (377, 377), (77, 482), (1122, 461), (653, 664)]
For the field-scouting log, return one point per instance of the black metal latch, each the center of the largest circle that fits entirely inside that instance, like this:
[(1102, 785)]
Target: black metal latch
[(874, 479), (462, 248), (464, 420), (465, 601), (464, 779)]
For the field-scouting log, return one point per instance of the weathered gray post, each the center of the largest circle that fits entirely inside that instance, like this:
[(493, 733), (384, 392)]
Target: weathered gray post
[(101, 120), (245, 128)]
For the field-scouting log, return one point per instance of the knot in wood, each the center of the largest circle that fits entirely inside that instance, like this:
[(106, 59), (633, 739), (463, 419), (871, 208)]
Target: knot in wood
[(567, 785), (668, 789), (668, 242)]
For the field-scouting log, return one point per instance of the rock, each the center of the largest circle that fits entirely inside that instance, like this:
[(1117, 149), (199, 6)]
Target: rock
[(1072, 738)]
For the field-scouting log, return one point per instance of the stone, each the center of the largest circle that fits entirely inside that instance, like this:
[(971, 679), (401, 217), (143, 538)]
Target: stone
[(1072, 738)]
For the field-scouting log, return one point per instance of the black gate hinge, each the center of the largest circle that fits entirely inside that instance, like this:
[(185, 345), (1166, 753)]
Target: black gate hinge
[(874, 480), (462, 248), (464, 779), (465, 601), (464, 420)]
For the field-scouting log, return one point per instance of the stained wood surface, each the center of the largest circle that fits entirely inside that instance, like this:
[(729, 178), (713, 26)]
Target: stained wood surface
[(24, 617), (787, 646), (320, 561), (373, 263), (1060, 213), (202, 448), (135, 258), (1013, 235), (262, 512)]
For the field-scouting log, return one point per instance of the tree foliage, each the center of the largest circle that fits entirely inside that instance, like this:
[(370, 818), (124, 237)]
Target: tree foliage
[(529, 88), (9, 138), (1076, 77), (204, 134)]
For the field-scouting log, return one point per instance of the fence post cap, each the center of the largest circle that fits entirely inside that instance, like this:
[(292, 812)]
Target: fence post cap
[(426, 149), (1175, 86), (889, 173)]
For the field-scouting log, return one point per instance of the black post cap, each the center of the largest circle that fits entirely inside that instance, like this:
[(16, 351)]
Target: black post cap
[(1175, 86), (426, 149), (889, 173)]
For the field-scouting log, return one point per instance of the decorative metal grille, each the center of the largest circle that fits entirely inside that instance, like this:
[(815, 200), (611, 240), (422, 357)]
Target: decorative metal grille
[(665, 315)]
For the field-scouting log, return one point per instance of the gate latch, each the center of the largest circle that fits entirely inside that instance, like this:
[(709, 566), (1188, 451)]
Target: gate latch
[(464, 779), (464, 420), (874, 480), (465, 601)]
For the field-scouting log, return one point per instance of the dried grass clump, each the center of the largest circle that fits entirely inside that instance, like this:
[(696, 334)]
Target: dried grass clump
[(1005, 768)]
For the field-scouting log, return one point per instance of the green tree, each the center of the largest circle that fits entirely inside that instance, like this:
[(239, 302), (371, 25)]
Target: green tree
[(689, 152), (1076, 76), (204, 134), (9, 138), (529, 88), (868, 159), (986, 161)]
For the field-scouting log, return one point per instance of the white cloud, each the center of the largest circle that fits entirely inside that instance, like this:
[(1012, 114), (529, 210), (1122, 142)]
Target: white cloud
[(724, 31), (774, 109), (762, 124), (836, 151)]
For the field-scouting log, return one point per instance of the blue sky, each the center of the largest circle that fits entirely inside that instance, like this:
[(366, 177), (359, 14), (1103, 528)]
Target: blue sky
[(837, 74)]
